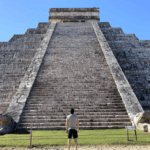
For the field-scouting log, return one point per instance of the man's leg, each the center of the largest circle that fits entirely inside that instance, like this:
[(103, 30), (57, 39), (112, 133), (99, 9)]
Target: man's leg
[(75, 141), (69, 141)]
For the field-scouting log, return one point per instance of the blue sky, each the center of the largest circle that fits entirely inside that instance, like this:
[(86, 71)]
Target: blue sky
[(16, 16)]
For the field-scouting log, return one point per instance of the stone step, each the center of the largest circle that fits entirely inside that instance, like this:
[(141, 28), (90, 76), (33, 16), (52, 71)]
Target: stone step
[(131, 51), (132, 37), (12, 72), (112, 31), (76, 84), (4, 105), (47, 89), (3, 111), (80, 120), (75, 106), (75, 96), (7, 90), (77, 113), (73, 25), (43, 25), (144, 43), (5, 99), (80, 124), (116, 38), (36, 31), (72, 37), (23, 60), (104, 25), (56, 111), (35, 36), (15, 37), (22, 46), (70, 50), (72, 102), (123, 43), (75, 32), (80, 28), (79, 116), (72, 80), (68, 89), (88, 84), (71, 89), (71, 93), (3, 43), (68, 43), (30, 39), (2, 108), (95, 108), (10, 51)]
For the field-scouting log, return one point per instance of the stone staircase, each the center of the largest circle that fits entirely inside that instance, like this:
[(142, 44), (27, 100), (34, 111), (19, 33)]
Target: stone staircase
[(134, 57), (74, 73), (15, 58)]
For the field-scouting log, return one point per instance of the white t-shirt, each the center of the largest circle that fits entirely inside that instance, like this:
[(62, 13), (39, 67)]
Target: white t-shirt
[(72, 121)]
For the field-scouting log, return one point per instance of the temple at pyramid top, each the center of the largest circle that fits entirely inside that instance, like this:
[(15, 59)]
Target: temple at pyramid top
[(74, 14)]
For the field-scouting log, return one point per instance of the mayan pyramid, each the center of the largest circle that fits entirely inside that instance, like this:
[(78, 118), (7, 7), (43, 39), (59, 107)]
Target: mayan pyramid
[(74, 60)]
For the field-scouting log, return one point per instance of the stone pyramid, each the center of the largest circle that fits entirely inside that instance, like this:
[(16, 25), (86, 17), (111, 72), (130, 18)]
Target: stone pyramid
[(74, 60)]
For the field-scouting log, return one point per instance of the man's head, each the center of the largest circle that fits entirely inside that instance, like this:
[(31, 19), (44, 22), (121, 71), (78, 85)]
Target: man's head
[(72, 111)]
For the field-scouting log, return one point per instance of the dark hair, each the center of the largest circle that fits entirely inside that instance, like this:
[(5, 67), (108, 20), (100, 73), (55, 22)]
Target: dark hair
[(72, 111)]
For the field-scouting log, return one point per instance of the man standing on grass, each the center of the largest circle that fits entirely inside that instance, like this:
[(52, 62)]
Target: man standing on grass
[(72, 124)]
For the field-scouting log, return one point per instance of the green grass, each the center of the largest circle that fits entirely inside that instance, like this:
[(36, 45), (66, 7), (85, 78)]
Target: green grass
[(48, 138)]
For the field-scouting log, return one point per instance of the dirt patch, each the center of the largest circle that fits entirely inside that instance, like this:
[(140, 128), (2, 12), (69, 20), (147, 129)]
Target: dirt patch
[(86, 148)]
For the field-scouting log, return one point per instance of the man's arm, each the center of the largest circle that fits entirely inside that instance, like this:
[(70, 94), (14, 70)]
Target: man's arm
[(78, 126), (66, 126)]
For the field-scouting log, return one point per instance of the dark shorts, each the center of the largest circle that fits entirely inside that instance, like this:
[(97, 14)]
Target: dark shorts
[(72, 132)]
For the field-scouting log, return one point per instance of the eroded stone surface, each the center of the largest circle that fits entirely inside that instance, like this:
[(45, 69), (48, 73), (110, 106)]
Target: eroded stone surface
[(15, 58), (18, 102), (131, 102), (142, 121), (133, 57), (74, 73), (74, 14), (6, 124)]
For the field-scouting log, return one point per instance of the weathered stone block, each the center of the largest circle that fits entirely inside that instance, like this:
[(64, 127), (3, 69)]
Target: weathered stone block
[(142, 121), (7, 124)]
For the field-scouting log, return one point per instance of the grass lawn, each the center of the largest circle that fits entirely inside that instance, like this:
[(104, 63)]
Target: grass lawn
[(47, 138)]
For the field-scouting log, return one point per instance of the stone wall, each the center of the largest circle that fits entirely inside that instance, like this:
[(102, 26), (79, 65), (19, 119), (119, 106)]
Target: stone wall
[(15, 58), (94, 9), (20, 97), (74, 14), (128, 97), (134, 57)]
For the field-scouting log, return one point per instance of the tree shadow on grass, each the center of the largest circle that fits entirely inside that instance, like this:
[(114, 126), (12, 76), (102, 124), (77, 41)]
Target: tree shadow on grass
[(20, 132), (17, 132)]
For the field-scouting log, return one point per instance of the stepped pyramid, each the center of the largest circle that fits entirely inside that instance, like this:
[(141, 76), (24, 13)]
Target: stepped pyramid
[(74, 60)]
